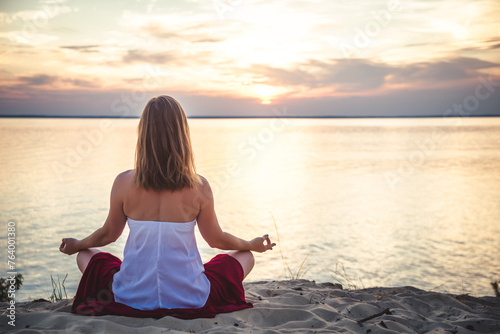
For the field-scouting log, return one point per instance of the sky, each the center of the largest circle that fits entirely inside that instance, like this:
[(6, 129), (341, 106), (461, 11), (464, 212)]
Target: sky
[(251, 58)]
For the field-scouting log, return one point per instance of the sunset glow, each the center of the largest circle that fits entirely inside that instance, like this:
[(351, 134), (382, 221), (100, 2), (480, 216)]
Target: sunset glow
[(260, 51)]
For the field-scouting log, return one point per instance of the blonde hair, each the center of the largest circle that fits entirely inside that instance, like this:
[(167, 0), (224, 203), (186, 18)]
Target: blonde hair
[(164, 157)]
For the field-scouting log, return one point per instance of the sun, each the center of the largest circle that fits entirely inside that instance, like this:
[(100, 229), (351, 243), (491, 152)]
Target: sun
[(265, 93)]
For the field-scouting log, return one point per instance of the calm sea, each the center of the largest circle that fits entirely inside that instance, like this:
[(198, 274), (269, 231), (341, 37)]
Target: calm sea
[(391, 201)]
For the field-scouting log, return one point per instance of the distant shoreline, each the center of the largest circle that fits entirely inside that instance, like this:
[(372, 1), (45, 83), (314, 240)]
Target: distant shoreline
[(249, 117)]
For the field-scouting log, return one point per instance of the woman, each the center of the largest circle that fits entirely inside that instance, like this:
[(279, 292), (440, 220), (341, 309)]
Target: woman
[(162, 199)]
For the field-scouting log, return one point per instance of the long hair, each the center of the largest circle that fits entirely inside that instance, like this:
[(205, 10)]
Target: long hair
[(164, 157)]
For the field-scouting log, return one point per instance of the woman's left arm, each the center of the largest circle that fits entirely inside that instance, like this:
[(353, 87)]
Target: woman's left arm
[(110, 231)]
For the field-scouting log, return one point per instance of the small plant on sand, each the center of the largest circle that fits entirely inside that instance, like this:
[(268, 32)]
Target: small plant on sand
[(7, 283), (341, 277), (300, 272), (496, 287), (57, 289)]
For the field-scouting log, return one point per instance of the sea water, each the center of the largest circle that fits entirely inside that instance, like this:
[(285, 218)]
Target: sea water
[(367, 202)]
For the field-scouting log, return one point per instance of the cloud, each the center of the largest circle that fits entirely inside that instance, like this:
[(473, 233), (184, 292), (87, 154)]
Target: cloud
[(199, 33), (493, 43), (37, 17), (352, 75), (133, 56), (82, 48), (361, 75), (82, 82), (38, 80), (482, 45), (346, 75), (441, 71), (177, 26), (55, 81), (166, 57), (27, 37), (4, 74)]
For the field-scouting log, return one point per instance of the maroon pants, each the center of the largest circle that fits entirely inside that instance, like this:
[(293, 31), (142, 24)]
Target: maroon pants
[(95, 294)]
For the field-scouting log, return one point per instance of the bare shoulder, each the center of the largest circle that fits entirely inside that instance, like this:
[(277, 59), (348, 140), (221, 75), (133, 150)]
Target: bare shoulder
[(204, 190), (125, 178), (204, 185), (204, 181)]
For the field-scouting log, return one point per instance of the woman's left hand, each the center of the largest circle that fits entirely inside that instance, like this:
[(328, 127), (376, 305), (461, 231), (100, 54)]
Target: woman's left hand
[(69, 246)]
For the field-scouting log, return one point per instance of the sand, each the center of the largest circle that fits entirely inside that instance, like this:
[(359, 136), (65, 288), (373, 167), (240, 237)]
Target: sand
[(293, 306)]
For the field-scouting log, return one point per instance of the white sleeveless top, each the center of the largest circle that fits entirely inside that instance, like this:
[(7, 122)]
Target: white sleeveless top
[(161, 268)]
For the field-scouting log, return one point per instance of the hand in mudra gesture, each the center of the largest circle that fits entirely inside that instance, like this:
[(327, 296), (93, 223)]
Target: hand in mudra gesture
[(261, 244), (68, 246)]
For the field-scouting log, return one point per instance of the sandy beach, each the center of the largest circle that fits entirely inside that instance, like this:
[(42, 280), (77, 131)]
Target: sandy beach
[(292, 306)]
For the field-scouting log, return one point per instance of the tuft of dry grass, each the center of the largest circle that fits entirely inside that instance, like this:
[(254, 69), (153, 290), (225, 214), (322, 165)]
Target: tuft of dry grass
[(496, 288), (57, 289), (300, 272), (342, 277)]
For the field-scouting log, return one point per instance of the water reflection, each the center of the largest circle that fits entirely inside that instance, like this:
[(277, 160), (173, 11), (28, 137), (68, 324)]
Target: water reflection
[(325, 181)]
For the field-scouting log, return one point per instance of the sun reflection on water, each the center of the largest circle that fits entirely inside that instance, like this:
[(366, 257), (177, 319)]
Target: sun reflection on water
[(324, 181)]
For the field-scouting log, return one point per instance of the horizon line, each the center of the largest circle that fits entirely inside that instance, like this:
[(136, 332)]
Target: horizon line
[(247, 117)]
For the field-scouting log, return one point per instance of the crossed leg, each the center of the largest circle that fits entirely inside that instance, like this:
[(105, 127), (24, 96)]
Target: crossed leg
[(83, 257), (245, 258)]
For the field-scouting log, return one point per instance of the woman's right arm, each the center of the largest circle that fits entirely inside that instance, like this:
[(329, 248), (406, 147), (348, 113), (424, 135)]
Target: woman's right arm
[(213, 234)]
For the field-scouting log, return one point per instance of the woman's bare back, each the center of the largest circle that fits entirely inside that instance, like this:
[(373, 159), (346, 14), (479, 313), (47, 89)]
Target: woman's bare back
[(168, 206)]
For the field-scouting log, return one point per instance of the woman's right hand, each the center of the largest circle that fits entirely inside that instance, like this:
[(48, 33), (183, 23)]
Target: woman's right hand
[(69, 246), (261, 244)]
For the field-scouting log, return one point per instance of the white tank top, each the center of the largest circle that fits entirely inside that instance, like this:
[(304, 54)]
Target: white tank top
[(161, 268)]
